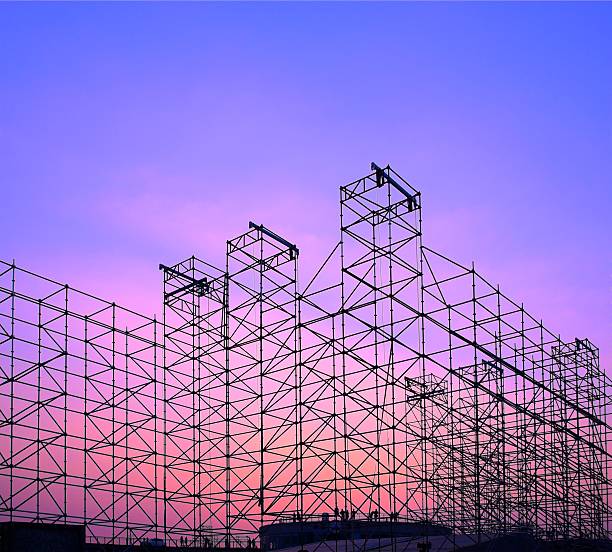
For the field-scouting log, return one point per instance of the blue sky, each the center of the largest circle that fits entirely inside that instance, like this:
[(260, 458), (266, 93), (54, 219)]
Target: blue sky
[(133, 134)]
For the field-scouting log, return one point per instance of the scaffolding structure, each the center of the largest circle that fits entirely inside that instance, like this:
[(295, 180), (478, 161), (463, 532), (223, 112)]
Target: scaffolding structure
[(396, 385)]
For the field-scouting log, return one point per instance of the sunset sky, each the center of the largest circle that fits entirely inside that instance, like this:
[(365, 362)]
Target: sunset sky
[(143, 133)]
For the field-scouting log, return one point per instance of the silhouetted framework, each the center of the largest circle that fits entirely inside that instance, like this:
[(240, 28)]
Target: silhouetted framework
[(395, 386)]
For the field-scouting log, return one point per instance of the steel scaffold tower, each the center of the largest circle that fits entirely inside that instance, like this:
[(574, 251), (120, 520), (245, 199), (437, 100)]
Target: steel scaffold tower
[(265, 456), (396, 385)]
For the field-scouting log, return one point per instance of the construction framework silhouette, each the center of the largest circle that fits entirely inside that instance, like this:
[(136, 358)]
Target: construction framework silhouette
[(395, 385)]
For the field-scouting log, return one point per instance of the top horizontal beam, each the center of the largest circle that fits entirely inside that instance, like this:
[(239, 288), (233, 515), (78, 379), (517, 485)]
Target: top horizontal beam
[(273, 235), (381, 175), (200, 284)]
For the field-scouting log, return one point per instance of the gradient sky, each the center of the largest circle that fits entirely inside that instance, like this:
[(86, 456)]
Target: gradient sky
[(133, 134)]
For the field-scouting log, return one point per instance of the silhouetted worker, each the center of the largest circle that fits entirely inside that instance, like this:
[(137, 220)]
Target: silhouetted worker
[(412, 203), (380, 177)]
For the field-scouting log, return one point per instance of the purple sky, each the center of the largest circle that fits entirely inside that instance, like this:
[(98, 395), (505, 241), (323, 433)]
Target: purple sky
[(133, 134)]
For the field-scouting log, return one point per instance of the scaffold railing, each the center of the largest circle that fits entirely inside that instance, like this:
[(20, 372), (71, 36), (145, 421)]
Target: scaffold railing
[(396, 385)]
